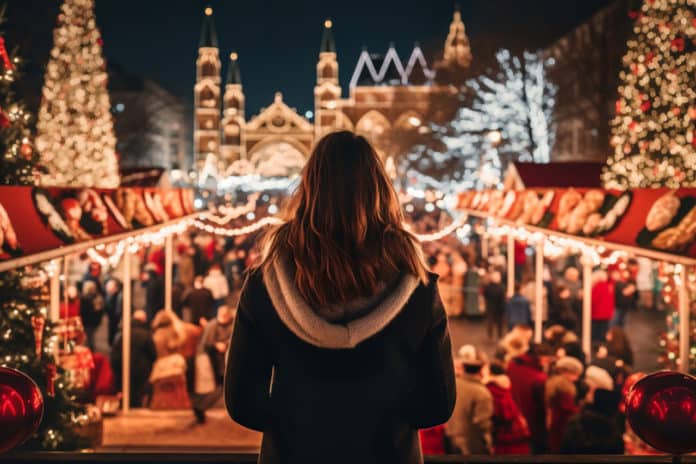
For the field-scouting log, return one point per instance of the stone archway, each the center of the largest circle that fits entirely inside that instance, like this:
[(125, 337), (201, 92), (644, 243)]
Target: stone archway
[(277, 158)]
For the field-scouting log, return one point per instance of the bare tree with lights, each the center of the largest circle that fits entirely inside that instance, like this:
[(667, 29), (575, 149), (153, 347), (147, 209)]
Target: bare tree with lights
[(75, 129), (509, 117), (653, 134)]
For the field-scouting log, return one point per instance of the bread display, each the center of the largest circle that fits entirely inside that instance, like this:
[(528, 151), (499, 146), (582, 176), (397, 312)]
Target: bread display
[(569, 200), (542, 207), (574, 222), (529, 204), (95, 217), (677, 237), (508, 203), (662, 212), (614, 214)]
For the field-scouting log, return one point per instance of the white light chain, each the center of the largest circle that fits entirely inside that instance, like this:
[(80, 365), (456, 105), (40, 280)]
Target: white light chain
[(270, 220)]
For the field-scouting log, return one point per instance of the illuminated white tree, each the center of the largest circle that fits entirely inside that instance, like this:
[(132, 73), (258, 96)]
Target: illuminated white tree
[(507, 115), (653, 133), (75, 130)]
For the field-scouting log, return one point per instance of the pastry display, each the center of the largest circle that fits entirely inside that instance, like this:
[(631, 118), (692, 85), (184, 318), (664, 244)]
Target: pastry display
[(153, 202), (141, 215), (542, 207), (679, 236), (8, 236), (495, 202), (72, 211), (95, 217), (116, 213), (662, 212), (172, 203), (508, 203), (612, 216), (51, 217), (574, 222), (133, 208), (569, 200), (592, 223), (529, 204), (187, 201)]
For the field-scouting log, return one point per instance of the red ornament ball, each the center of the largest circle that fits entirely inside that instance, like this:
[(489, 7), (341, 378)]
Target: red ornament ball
[(661, 409), (21, 408)]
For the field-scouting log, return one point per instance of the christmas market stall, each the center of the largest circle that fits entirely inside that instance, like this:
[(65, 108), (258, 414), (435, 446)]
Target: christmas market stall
[(601, 225), (41, 230)]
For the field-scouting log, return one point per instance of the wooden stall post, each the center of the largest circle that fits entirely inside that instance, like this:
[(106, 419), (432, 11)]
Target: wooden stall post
[(684, 320), (587, 306), (484, 245), (539, 290), (168, 270), (126, 332), (54, 308), (510, 265)]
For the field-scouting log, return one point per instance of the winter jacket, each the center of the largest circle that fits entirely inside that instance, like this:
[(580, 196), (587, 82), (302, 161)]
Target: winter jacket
[(625, 301), (518, 311), (351, 392), (527, 381), (143, 355), (469, 429), (560, 406), (201, 303), (591, 431), (510, 429), (494, 296), (603, 301)]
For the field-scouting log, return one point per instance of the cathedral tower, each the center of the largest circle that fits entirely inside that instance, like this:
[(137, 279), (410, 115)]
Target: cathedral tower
[(206, 131), (233, 137), (327, 91)]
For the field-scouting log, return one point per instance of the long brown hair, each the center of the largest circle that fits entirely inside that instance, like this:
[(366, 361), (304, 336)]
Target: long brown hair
[(343, 225)]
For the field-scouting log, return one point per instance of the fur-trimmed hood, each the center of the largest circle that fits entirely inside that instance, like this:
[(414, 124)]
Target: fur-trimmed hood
[(336, 327)]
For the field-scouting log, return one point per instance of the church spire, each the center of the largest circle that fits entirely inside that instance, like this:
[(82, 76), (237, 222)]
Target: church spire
[(234, 76), (457, 50), (208, 34), (327, 40)]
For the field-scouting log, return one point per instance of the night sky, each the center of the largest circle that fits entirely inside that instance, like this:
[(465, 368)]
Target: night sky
[(278, 41)]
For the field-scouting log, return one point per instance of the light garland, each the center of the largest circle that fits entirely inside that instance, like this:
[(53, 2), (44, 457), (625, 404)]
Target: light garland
[(223, 231)]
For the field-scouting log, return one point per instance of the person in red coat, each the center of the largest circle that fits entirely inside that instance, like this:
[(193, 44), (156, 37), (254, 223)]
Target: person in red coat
[(560, 399), (527, 380), (510, 430), (602, 305), (520, 259)]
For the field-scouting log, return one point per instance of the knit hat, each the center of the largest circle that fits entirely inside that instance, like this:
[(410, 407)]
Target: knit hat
[(596, 377), (569, 364), (470, 356)]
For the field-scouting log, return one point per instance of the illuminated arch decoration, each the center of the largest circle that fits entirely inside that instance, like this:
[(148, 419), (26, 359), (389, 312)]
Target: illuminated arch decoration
[(278, 157)]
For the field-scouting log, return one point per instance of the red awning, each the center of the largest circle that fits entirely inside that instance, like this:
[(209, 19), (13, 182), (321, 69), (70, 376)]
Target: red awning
[(572, 174)]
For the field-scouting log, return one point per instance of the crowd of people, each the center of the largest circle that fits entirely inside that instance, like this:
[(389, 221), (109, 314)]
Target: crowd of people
[(527, 398)]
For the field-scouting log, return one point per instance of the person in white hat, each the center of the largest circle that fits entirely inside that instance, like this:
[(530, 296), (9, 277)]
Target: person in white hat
[(470, 427)]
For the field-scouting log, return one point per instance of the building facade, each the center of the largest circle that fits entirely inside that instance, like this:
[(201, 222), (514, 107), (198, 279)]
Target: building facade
[(587, 62), (388, 100)]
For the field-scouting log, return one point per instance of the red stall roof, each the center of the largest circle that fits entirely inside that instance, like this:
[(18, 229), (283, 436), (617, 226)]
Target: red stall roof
[(571, 174)]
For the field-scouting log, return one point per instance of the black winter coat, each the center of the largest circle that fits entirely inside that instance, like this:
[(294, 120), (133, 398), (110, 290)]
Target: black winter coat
[(356, 401)]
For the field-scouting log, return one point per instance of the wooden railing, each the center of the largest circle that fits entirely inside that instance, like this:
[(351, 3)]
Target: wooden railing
[(188, 456)]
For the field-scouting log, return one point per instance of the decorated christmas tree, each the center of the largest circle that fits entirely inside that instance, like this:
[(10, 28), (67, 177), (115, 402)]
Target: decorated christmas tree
[(18, 155), (75, 129), (654, 131), (26, 344)]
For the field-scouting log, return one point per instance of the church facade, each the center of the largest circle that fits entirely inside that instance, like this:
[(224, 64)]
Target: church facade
[(390, 101)]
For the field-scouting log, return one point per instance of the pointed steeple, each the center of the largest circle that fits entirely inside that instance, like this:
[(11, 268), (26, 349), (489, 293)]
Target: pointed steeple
[(457, 50), (208, 34), (234, 76), (327, 41)]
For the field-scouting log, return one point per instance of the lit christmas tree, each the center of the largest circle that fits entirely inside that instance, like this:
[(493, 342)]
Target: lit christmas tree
[(26, 344), (75, 129), (18, 155), (653, 134)]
